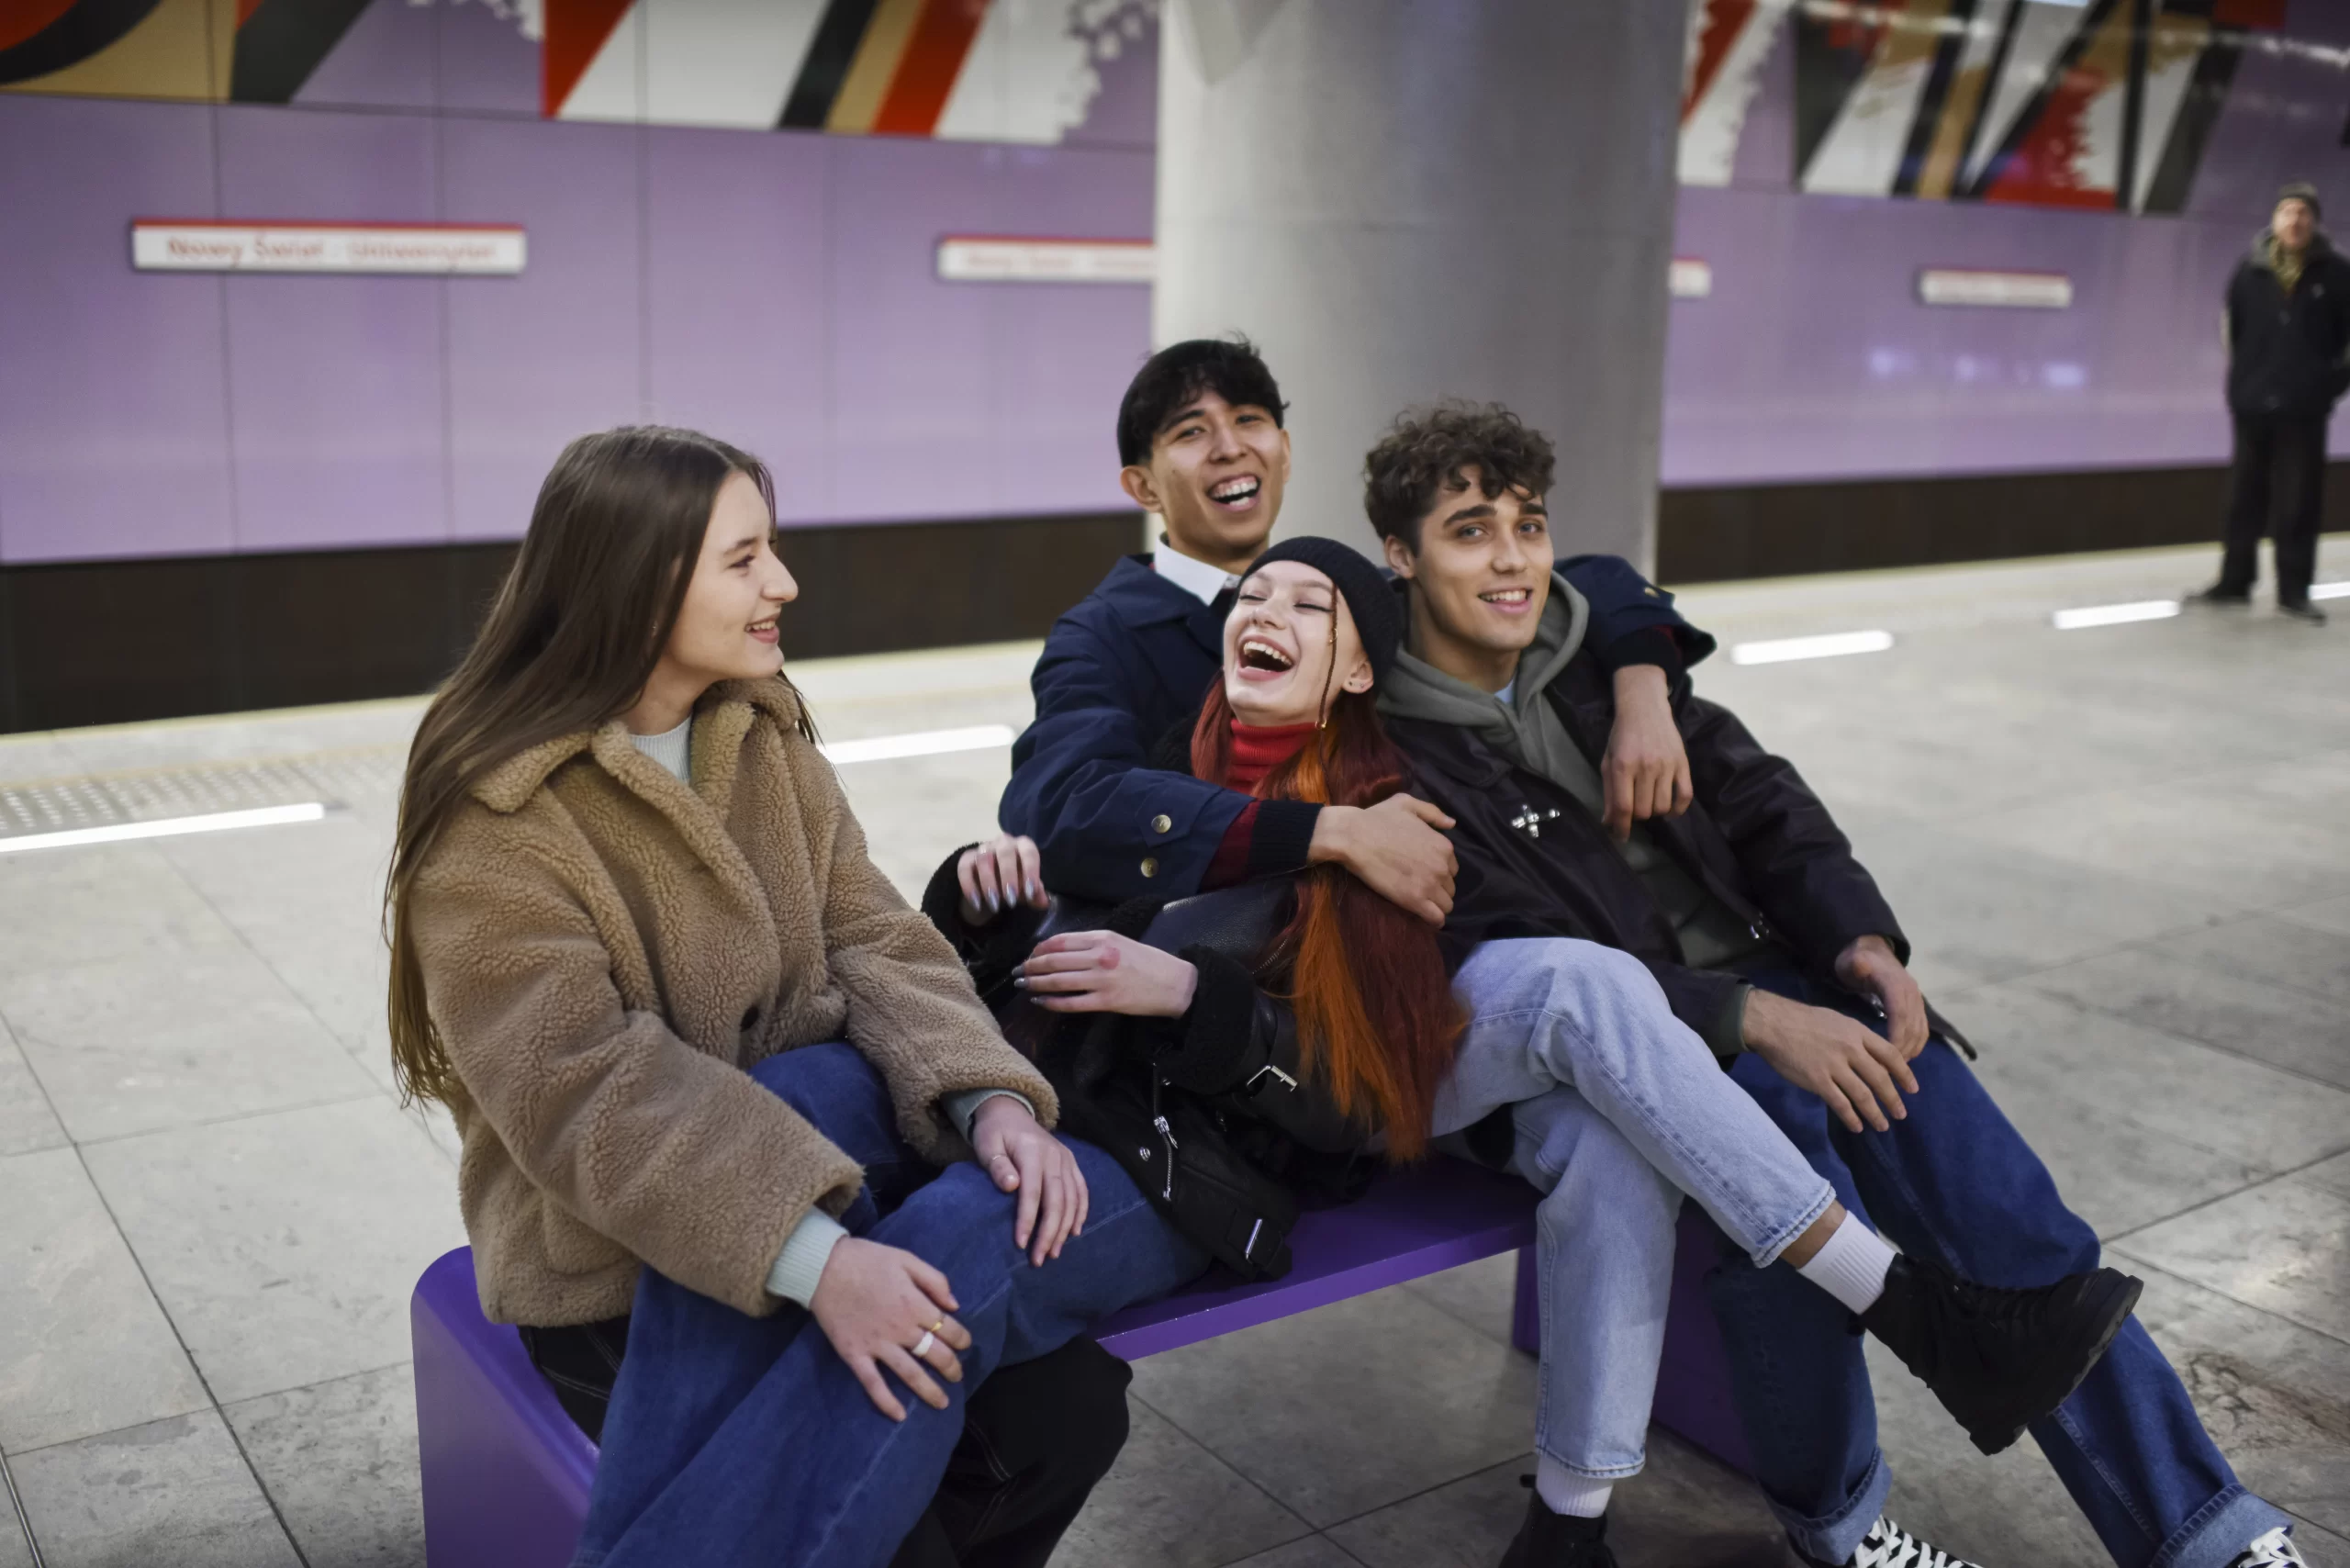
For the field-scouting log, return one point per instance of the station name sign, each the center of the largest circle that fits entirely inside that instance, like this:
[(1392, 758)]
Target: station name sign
[(1981, 287), (204, 245), (970, 258), (975, 258)]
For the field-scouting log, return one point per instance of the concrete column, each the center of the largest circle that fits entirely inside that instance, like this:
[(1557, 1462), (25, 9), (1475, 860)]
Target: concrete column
[(1405, 199)]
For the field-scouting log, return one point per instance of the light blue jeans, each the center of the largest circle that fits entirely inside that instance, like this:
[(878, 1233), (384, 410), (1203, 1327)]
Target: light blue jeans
[(1619, 1110)]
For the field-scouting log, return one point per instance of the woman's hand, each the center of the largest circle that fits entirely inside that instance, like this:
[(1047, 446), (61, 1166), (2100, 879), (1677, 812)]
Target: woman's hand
[(1099, 971), (998, 874), (1023, 1158), (876, 1304)]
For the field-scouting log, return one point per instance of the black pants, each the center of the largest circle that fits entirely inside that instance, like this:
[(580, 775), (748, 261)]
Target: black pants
[(2279, 475), (1035, 1438)]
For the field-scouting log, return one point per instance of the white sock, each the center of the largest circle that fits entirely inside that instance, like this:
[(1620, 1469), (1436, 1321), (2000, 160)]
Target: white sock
[(1851, 1266), (1564, 1491)]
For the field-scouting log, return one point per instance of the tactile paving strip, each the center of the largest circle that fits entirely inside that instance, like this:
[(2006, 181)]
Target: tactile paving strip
[(154, 794)]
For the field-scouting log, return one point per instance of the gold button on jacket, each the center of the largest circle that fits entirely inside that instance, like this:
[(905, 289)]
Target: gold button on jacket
[(1150, 865), (1161, 822)]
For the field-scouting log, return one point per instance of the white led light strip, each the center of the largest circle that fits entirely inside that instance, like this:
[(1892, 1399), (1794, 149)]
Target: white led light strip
[(2331, 591), (924, 742), (2115, 614), (1830, 646), (167, 827)]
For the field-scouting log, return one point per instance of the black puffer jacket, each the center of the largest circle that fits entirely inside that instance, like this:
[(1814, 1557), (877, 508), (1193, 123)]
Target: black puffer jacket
[(2286, 351), (1213, 1114), (1535, 862)]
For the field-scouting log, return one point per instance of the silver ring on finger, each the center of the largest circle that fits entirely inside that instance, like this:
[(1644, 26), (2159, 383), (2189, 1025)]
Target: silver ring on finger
[(922, 1345)]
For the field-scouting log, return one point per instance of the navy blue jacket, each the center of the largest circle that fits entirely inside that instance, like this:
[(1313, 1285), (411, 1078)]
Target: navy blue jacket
[(1136, 659)]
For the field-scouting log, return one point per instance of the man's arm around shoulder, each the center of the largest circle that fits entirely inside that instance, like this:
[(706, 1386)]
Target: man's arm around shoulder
[(1108, 826)]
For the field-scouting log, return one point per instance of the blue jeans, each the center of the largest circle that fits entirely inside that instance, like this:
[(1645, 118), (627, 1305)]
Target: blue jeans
[(1618, 1110), (1956, 1184), (737, 1439)]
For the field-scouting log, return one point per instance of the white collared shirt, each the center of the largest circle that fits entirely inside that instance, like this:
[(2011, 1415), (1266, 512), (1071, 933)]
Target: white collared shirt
[(1196, 577)]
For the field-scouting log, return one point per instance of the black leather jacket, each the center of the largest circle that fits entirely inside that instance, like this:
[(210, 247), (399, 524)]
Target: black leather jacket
[(1535, 862), (1213, 1114)]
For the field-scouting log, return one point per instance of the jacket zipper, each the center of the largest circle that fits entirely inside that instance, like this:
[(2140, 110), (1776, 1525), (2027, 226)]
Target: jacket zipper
[(1158, 1121)]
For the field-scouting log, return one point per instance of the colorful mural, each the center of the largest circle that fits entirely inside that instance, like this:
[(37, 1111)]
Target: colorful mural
[(2096, 104), (1013, 71), (2100, 104)]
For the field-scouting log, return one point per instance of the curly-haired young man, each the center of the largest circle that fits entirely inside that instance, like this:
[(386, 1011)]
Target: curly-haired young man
[(1771, 941)]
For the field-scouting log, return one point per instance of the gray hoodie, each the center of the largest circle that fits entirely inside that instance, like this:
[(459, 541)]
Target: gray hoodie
[(1521, 724)]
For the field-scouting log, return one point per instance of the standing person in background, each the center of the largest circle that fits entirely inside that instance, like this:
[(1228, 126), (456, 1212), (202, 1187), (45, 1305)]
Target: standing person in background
[(2288, 324)]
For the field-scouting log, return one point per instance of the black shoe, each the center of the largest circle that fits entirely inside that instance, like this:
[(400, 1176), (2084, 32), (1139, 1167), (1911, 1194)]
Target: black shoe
[(1556, 1541), (1888, 1545), (1998, 1359), (2303, 611), (2219, 595)]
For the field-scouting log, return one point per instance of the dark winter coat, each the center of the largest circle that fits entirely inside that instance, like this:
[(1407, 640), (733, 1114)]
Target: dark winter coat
[(2286, 351), (1535, 862)]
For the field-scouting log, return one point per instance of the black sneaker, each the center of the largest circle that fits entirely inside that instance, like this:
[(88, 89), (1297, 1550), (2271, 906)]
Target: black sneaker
[(2303, 611), (1556, 1541), (2226, 598), (2275, 1550), (1998, 1359), (1888, 1545)]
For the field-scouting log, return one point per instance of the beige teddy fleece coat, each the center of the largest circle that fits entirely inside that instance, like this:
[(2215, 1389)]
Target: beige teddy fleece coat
[(606, 949)]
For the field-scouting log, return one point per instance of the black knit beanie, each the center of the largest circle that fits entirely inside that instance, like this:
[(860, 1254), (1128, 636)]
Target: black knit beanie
[(2302, 190), (1379, 615)]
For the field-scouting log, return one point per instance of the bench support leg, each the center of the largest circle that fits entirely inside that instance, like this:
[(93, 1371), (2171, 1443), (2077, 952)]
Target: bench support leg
[(1525, 1313)]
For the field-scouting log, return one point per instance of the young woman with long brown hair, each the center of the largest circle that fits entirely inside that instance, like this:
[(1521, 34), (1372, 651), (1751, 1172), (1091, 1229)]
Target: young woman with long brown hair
[(1348, 1027), (708, 1065)]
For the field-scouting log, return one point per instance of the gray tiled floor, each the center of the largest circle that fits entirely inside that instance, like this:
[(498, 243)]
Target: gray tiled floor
[(2124, 855)]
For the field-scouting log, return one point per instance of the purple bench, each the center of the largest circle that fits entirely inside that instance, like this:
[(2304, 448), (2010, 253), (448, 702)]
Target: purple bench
[(505, 1474)]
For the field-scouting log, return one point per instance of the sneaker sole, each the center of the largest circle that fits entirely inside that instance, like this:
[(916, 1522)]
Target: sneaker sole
[(2121, 1300)]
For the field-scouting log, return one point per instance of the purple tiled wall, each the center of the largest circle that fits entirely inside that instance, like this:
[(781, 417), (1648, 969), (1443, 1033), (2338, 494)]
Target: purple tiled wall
[(777, 289), (114, 404), (337, 412), (535, 360), (1814, 359)]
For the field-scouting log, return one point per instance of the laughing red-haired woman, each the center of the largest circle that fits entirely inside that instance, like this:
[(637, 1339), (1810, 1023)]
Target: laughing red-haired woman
[(1241, 1046)]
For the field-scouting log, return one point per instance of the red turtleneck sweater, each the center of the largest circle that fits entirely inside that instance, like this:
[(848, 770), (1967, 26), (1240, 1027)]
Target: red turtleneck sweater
[(1256, 750)]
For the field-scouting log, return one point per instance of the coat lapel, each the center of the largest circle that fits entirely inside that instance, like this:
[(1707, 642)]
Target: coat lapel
[(703, 829), (1206, 628)]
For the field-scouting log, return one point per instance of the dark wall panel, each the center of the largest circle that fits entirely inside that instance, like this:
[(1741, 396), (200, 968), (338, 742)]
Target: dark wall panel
[(866, 590), (1716, 533), (121, 641), (114, 642)]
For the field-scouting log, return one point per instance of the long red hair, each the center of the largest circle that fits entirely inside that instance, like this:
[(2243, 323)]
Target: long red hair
[(1376, 1021)]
